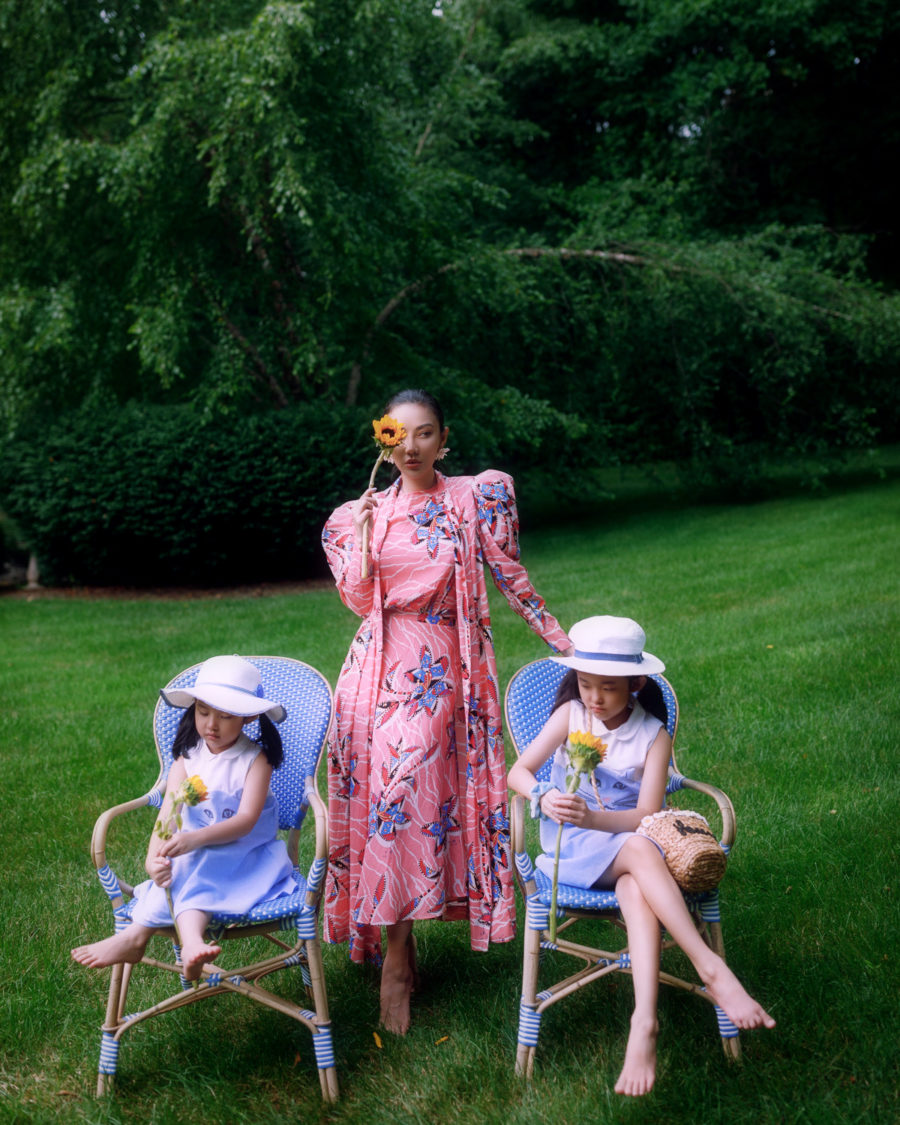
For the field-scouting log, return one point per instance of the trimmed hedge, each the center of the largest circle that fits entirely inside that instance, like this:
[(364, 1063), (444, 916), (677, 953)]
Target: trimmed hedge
[(160, 495)]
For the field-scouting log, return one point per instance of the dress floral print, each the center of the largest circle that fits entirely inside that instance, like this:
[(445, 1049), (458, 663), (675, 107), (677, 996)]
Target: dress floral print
[(418, 819)]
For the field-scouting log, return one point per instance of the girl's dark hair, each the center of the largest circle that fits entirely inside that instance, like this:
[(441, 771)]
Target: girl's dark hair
[(650, 695), (419, 398), (186, 738)]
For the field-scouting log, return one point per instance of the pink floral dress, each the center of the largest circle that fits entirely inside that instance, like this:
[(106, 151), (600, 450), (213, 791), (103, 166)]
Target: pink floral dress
[(417, 795)]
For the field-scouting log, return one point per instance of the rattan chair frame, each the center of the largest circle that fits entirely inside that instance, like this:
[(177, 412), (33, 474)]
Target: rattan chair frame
[(527, 705), (298, 912)]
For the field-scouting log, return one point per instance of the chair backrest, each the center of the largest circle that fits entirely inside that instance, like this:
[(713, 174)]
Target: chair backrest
[(306, 697), (529, 703)]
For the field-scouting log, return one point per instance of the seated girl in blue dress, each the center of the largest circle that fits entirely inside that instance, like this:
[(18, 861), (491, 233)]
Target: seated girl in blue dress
[(225, 859), (599, 847)]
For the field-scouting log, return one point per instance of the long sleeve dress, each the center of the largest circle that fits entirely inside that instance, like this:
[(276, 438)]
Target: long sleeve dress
[(417, 794)]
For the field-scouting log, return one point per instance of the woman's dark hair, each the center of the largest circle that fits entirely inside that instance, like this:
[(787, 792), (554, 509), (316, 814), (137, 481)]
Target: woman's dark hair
[(650, 695), (186, 738), (418, 398)]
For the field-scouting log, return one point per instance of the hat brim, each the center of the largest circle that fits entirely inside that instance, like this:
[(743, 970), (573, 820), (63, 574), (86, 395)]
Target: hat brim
[(649, 665), (225, 699)]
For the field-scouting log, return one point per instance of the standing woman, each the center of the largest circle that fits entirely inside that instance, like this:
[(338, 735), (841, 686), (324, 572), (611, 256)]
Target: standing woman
[(417, 793)]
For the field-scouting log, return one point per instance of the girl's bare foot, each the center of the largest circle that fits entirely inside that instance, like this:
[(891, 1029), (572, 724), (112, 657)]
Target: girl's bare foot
[(639, 1069), (127, 946), (734, 1000), (194, 957)]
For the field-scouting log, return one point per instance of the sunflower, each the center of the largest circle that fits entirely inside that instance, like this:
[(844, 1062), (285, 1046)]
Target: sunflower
[(388, 432), (586, 752)]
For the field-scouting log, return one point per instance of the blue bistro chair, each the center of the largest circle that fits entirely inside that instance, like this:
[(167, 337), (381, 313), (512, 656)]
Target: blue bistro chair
[(307, 699), (529, 703)]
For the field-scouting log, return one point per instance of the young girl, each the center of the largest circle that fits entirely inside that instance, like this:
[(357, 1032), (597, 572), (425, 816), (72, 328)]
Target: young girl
[(226, 858), (599, 846)]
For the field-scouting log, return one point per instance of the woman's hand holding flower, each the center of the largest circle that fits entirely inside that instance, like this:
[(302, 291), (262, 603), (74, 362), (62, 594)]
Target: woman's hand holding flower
[(363, 510), (387, 433)]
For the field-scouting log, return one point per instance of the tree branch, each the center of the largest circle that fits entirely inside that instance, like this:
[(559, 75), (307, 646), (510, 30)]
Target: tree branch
[(564, 254)]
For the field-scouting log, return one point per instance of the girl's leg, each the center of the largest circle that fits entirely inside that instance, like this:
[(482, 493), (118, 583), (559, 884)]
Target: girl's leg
[(195, 950), (397, 977), (639, 1068), (126, 946), (642, 859)]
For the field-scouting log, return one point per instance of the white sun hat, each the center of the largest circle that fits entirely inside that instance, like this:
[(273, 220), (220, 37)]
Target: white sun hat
[(610, 646), (230, 684)]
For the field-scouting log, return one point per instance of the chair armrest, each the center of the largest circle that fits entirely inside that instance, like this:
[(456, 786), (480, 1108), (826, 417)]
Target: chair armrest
[(320, 819), (726, 809), (517, 822), (105, 819), (525, 872)]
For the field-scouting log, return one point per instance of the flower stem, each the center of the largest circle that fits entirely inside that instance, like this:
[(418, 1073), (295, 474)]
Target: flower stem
[(571, 786), (172, 912), (364, 565), (555, 890)]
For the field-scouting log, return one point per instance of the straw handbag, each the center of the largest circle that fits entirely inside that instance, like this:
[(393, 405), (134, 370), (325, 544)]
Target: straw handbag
[(693, 854)]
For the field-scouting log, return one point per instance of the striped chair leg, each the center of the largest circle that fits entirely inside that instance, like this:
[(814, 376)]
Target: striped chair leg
[(529, 1030), (324, 1049), (109, 1058)]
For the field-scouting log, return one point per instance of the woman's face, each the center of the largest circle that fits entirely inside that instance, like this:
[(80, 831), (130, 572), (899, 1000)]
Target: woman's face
[(415, 458)]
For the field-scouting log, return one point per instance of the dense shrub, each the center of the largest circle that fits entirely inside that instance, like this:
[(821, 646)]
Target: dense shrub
[(151, 495)]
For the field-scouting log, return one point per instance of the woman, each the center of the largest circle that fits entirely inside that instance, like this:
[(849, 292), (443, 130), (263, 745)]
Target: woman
[(417, 796)]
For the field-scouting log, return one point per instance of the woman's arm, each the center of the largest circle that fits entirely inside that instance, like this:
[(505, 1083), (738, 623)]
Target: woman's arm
[(498, 541), (342, 540), (256, 789)]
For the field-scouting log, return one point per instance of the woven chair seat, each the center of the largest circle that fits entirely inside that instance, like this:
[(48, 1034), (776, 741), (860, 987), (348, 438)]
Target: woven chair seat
[(283, 908), (573, 898)]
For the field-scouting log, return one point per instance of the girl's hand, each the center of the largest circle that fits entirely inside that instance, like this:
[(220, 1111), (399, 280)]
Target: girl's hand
[(180, 844), (159, 868), (565, 808), (363, 510)]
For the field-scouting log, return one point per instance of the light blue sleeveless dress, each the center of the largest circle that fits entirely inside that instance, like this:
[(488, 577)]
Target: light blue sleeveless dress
[(224, 879), (586, 853)]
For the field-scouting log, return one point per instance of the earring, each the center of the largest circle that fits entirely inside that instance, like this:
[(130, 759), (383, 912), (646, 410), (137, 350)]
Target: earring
[(442, 453)]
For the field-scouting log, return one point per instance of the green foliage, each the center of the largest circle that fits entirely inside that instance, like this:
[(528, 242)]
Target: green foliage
[(158, 496), (717, 355), (656, 220)]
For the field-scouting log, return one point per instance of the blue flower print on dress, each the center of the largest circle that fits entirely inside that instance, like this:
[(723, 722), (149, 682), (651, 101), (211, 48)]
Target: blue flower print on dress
[(385, 817), (498, 827), (445, 824), (433, 524), (430, 683), (493, 501)]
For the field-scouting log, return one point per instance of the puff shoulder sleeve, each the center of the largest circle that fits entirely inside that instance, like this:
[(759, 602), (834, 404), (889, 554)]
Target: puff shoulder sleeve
[(498, 541)]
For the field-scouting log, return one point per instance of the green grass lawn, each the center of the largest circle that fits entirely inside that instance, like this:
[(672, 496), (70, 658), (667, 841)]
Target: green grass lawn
[(778, 623)]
